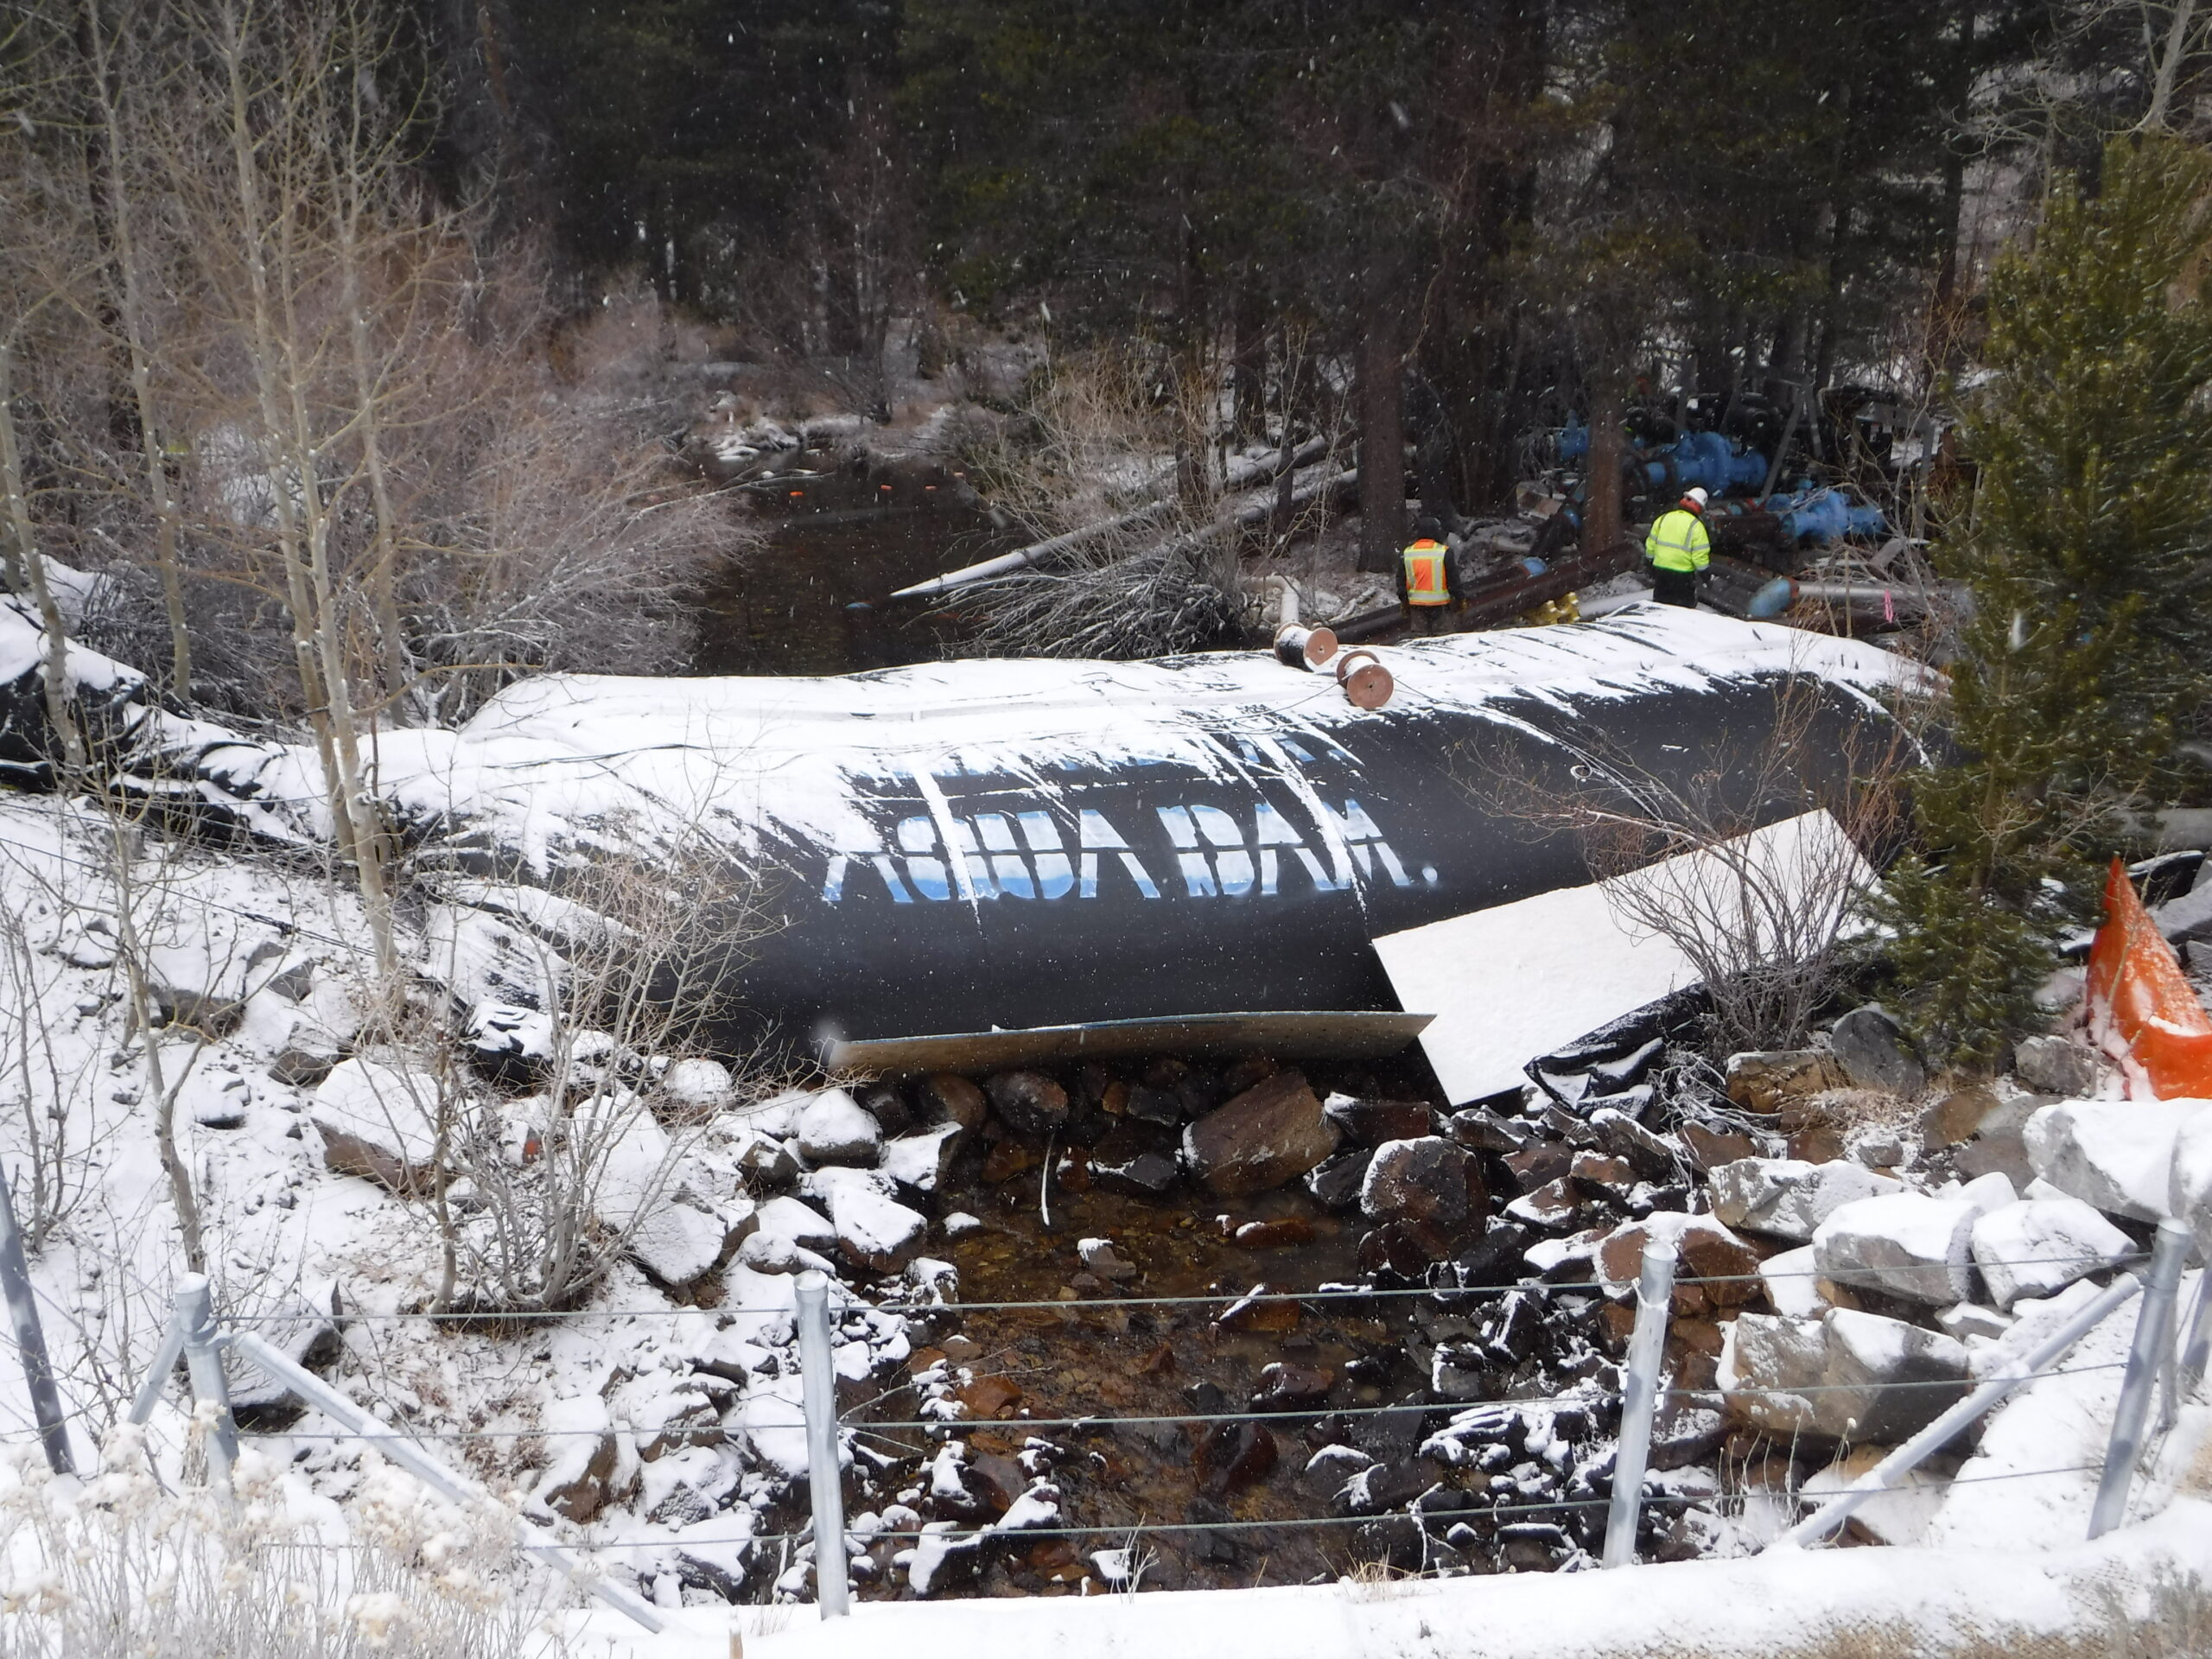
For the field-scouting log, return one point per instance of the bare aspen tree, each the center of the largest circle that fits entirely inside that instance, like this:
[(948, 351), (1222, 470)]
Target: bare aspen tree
[(125, 141)]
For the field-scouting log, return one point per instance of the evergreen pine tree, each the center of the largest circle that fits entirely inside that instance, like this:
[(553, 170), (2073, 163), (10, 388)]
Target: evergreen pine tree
[(2090, 558)]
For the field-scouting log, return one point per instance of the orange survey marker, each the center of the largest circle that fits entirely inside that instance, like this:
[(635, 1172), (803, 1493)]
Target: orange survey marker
[(2138, 993)]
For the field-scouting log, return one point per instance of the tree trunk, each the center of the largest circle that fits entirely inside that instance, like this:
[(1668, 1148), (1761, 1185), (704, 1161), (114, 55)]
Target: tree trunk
[(1248, 368), (1601, 505), (1381, 371)]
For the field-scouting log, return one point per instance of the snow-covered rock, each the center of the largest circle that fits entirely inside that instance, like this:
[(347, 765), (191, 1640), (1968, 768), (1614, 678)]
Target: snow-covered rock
[(799, 1223), (1908, 1244), (1899, 1515), (1985, 1192), (2116, 1155), (834, 1128), (378, 1120), (2040, 1246), (1839, 1375), (680, 1242), (1787, 1197), (2188, 1179), (873, 1231), (1963, 1321), (1792, 1279), (921, 1160), (698, 1082)]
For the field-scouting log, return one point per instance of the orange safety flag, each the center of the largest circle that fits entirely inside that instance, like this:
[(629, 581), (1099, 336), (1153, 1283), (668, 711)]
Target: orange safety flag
[(2139, 994)]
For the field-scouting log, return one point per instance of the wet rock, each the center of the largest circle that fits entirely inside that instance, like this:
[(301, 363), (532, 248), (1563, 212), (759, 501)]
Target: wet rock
[(1008, 1159), (1290, 1231), (1653, 1157), (1029, 1102), (302, 1068), (1955, 1117), (1566, 1260), (1245, 1073), (886, 1103), (833, 1129), (1788, 1198), (1706, 1251), (1271, 1133), (1539, 1163), (1429, 1180), (1328, 1469), (1556, 1206), (1397, 1433), (1495, 1258), (1102, 1258), (959, 1100), (1710, 1148), (1606, 1176), (1232, 1456), (1685, 1432), (1872, 1050), (1404, 1248), (1480, 1129), (1285, 1387), (1382, 1486), (1762, 1080), (1143, 1103), (988, 1396), (1138, 1160), (2055, 1066), (1533, 1547), (1370, 1122), (764, 1158), (1906, 1244), (2042, 1245), (1336, 1181), (2115, 1154)]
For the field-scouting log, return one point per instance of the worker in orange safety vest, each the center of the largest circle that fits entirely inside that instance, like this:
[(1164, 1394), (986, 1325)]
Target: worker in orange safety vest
[(1427, 575)]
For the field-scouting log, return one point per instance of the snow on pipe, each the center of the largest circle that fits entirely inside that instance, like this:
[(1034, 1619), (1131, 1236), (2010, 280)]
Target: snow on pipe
[(1946, 1428), (403, 1451)]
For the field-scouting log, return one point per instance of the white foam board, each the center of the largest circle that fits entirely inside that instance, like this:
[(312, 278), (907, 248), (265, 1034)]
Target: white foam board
[(1518, 981)]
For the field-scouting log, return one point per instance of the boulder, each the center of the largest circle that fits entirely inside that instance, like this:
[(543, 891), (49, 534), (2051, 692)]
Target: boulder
[(1271, 1133), (1792, 1280), (2042, 1245), (1336, 1181), (1429, 1179), (960, 1101), (1370, 1122), (1705, 1248), (834, 1129), (680, 1243), (1906, 1244), (921, 1161), (700, 1083), (2188, 1182), (1957, 1116), (1029, 1102), (802, 1224), (1786, 1198), (1834, 1375), (873, 1231), (2055, 1065), (508, 1043), (1762, 1080), (2116, 1155), (1100, 1257), (1871, 1048), (1138, 1159), (377, 1121)]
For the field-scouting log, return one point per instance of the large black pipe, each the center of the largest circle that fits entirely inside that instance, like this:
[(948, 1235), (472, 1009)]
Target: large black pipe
[(955, 847)]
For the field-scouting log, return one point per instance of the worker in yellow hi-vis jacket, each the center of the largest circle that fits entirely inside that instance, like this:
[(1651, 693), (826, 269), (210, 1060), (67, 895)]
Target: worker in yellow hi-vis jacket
[(1676, 550), (1426, 578)]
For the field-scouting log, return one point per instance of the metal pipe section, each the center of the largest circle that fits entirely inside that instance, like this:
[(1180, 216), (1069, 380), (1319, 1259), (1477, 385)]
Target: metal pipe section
[(1647, 1345), (445, 1482), (31, 1339), (818, 1389), (157, 1374), (203, 1358), (2198, 1350), (2154, 1334), (1947, 1427)]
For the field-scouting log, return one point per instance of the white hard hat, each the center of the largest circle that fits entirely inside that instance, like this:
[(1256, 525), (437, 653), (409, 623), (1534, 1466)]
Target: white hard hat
[(1696, 494)]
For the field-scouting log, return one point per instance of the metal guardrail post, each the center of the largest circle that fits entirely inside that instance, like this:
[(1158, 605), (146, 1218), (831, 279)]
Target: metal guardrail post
[(2196, 1352), (1647, 1346), (2154, 1336), (203, 1357), (818, 1389), (1952, 1423), (30, 1338)]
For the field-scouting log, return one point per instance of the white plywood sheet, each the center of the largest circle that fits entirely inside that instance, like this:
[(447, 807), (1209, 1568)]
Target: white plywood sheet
[(1518, 981)]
